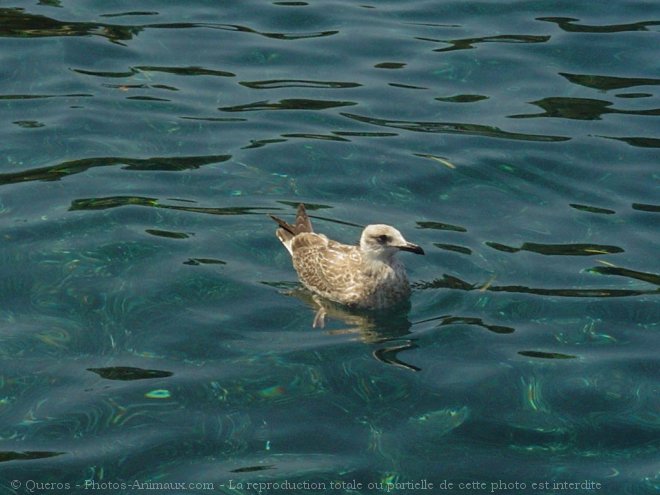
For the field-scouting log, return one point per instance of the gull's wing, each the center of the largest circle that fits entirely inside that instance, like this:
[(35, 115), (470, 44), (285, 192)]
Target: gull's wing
[(326, 267)]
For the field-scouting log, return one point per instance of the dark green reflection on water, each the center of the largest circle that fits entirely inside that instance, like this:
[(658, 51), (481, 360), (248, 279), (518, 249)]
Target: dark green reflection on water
[(390, 65), (607, 83), (462, 98), (29, 124), (252, 469), (651, 278), (64, 169), (322, 137), (640, 142), (18, 23), (137, 336), (468, 43), (129, 14), (116, 201), (441, 226), (15, 22), (168, 234), (126, 373), (38, 97), (451, 282), (204, 261), (27, 456), (559, 249), (592, 209), (579, 109), (468, 320), (546, 355), (288, 104), (454, 128), (297, 83), (179, 71), (646, 207), (453, 247), (571, 25)]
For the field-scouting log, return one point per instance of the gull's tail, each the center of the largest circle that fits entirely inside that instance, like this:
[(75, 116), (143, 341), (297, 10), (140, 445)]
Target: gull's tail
[(286, 232)]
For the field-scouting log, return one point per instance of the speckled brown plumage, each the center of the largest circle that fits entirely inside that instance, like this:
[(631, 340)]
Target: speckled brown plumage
[(366, 276)]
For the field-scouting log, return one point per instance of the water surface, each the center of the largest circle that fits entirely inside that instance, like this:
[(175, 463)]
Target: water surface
[(151, 326)]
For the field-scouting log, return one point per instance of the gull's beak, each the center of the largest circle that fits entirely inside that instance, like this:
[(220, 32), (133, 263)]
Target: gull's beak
[(413, 248)]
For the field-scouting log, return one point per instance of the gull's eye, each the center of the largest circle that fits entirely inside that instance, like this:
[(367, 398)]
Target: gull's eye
[(382, 239)]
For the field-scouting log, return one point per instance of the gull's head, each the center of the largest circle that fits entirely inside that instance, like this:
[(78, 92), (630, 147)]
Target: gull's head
[(383, 241)]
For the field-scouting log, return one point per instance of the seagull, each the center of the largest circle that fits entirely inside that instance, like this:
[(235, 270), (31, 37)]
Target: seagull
[(367, 276)]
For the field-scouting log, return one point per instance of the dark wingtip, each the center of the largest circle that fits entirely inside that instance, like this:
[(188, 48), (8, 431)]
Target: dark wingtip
[(279, 221), (303, 223), (283, 225)]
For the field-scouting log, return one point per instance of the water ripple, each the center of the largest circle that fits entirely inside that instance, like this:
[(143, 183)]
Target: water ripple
[(558, 249), (64, 169), (116, 201), (151, 325), (454, 128), (15, 22), (571, 25), (638, 142), (37, 97), (450, 282), (297, 83), (579, 109), (288, 104), (652, 278), (468, 43), (126, 373), (607, 83), (129, 14), (27, 455), (179, 71)]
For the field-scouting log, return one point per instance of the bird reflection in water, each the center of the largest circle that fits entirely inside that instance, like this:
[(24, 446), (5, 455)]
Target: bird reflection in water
[(388, 330)]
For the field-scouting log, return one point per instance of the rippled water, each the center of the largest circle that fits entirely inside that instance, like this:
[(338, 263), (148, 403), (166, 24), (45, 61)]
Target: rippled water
[(151, 326)]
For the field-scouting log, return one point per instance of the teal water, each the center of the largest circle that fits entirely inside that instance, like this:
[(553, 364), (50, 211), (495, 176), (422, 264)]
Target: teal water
[(151, 326)]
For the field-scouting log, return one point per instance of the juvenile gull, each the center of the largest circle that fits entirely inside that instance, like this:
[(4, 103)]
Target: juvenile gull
[(367, 276)]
